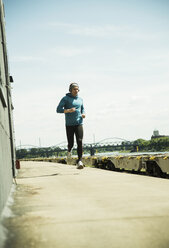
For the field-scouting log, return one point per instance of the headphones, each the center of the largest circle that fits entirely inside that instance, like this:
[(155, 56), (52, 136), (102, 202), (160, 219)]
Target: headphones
[(72, 85)]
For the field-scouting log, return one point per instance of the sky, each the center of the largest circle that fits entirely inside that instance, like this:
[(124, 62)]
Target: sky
[(116, 50)]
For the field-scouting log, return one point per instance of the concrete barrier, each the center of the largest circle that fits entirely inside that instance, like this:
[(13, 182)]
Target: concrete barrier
[(153, 165)]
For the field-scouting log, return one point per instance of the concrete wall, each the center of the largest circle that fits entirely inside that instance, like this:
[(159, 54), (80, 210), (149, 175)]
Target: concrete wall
[(7, 150)]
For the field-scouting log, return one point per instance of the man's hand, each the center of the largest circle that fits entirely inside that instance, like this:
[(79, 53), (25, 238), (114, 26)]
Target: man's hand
[(69, 110)]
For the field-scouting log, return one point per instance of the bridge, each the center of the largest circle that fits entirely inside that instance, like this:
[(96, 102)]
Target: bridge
[(105, 145), (111, 144)]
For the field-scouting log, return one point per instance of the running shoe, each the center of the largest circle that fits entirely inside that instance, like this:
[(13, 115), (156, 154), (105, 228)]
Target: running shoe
[(69, 155), (80, 165)]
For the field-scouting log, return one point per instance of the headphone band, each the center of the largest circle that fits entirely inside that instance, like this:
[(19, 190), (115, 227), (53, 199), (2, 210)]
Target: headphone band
[(72, 85)]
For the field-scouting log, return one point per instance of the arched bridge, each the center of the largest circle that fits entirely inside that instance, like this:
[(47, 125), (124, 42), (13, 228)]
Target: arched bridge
[(108, 144), (104, 145)]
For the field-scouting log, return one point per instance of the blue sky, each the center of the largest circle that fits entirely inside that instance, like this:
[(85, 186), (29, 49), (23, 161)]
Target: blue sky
[(118, 52)]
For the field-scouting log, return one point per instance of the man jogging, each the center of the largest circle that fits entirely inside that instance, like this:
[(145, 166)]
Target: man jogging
[(72, 106)]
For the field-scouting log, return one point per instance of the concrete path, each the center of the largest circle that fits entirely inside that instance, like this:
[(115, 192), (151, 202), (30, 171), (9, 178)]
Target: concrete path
[(58, 206)]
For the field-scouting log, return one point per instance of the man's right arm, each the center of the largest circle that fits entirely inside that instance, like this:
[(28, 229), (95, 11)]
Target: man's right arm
[(61, 107)]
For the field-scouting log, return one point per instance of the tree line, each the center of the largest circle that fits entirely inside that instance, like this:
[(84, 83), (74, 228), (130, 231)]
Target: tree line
[(140, 145), (154, 145)]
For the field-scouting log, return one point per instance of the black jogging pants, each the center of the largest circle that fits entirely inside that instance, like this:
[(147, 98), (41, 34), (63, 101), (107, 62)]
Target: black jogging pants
[(78, 132)]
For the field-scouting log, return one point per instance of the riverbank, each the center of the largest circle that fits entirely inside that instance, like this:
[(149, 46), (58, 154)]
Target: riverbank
[(153, 164)]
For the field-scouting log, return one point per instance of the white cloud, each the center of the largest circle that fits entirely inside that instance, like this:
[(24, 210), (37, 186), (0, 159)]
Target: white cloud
[(98, 30), (26, 58), (93, 30), (104, 30), (66, 51)]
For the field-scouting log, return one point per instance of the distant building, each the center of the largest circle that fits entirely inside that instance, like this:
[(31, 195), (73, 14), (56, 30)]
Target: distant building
[(7, 148), (157, 135)]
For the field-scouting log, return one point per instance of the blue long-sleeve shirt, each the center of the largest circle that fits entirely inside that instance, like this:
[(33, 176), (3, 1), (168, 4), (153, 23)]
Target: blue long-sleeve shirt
[(67, 102)]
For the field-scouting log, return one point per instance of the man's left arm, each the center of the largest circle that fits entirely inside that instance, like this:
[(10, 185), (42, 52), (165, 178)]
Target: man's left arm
[(83, 111)]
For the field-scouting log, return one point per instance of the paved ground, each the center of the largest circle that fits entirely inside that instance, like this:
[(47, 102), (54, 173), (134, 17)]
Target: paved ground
[(58, 206)]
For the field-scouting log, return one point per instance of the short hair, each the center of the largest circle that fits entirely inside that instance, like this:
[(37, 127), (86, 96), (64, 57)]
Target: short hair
[(72, 85)]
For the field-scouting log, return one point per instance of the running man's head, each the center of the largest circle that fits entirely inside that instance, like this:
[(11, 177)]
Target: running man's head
[(74, 89)]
